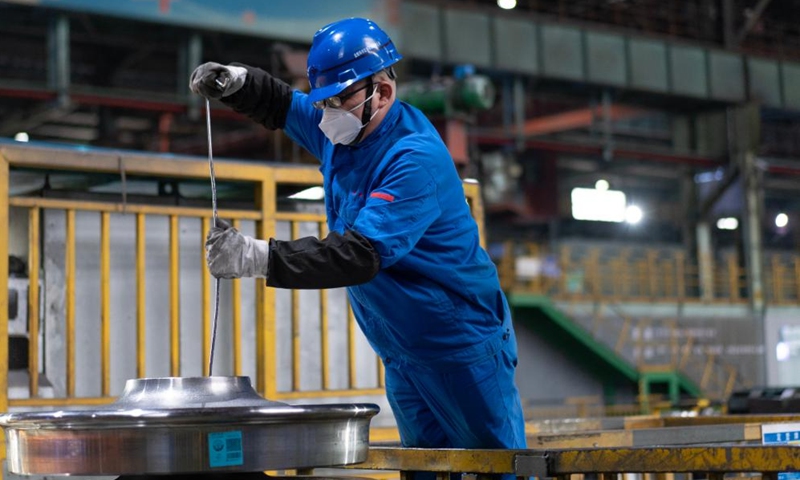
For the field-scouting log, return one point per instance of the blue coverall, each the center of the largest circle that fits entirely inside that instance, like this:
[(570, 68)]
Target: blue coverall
[(435, 313)]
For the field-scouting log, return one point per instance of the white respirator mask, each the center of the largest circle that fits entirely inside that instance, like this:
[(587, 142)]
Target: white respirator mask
[(341, 126)]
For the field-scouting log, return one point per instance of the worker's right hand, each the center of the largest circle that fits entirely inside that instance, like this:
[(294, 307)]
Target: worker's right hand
[(214, 81), (230, 254)]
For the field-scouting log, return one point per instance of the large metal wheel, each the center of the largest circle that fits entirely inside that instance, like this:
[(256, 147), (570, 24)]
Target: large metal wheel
[(187, 425)]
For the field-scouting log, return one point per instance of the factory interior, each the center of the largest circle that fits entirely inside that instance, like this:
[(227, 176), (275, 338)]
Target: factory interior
[(632, 166)]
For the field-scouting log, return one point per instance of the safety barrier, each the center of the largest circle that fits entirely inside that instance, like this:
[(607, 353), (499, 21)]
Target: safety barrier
[(628, 274), (782, 278), (264, 215)]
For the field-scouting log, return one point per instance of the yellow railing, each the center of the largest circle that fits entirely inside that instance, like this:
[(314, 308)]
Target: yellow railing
[(783, 279), (263, 212), (627, 274)]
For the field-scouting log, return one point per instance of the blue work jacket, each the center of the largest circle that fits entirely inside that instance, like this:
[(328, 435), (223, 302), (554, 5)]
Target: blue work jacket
[(436, 302)]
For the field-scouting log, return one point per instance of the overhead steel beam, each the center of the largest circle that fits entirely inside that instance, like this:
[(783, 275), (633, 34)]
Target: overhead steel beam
[(597, 150), (574, 119)]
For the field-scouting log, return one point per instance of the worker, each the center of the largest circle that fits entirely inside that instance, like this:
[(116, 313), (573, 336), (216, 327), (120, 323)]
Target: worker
[(402, 238)]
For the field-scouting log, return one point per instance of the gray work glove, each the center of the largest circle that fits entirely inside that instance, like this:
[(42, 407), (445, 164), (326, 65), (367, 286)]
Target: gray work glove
[(229, 254), (215, 81)]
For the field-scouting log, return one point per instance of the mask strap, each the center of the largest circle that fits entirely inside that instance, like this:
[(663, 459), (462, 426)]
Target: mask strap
[(365, 114)]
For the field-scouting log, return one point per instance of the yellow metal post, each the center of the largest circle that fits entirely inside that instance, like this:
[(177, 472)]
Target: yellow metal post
[(733, 277), (777, 279), (3, 292), (236, 311), (141, 308), (473, 193), (323, 338), (593, 273), (205, 296), (323, 323), (174, 298), (669, 279), (33, 301), (296, 324), (628, 273), (267, 368), (652, 273), (351, 348), (261, 361), (105, 303), (674, 345), (69, 261), (623, 335), (731, 383), (707, 371), (381, 372)]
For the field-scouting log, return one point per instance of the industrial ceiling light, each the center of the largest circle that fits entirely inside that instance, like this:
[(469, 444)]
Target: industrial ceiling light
[(633, 214), (21, 137), (781, 220), (727, 223), (598, 205), (601, 185), (507, 4)]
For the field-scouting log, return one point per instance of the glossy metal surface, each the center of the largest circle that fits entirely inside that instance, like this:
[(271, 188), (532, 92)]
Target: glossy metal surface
[(173, 425)]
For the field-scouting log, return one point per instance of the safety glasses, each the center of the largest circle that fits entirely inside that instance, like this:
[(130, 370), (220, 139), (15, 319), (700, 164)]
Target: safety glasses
[(337, 101)]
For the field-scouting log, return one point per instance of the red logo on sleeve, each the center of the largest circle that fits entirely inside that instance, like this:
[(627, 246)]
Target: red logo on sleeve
[(384, 196)]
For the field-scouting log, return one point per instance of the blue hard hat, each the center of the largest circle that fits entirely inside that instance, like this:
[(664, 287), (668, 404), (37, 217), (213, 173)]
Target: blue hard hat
[(344, 52)]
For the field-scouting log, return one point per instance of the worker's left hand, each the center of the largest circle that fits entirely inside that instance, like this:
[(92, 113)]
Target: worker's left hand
[(230, 254)]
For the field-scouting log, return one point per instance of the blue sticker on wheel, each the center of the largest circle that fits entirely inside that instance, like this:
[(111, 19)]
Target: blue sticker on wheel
[(225, 449)]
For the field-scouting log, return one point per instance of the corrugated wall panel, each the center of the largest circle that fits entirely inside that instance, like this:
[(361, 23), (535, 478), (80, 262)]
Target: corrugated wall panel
[(425, 40), (467, 38), (562, 49), (648, 64), (688, 71), (727, 76), (765, 84), (606, 60), (791, 85), (516, 45)]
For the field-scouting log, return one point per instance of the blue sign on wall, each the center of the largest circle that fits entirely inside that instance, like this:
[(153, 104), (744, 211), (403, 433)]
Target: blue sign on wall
[(294, 20)]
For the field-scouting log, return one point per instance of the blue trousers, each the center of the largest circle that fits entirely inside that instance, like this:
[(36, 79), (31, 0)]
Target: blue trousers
[(474, 406)]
